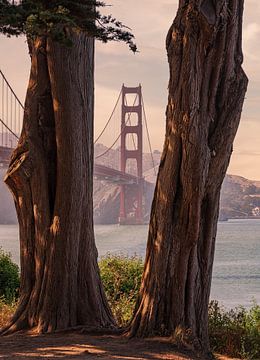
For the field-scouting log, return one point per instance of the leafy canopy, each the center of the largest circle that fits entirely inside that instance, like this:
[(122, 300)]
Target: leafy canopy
[(52, 18)]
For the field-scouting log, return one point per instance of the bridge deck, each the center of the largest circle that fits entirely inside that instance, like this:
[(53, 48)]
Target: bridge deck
[(101, 172)]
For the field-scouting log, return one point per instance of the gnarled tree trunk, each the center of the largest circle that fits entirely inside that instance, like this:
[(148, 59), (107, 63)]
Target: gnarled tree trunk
[(50, 176), (206, 92)]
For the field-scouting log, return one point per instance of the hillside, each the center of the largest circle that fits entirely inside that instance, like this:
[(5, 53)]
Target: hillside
[(240, 197)]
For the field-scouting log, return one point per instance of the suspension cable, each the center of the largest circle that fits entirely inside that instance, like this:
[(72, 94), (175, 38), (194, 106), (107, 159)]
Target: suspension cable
[(7, 127), (10, 87), (102, 132), (118, 137), (148, 135), (11, 106)]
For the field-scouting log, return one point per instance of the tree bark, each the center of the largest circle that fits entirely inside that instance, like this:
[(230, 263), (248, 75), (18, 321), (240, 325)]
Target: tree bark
[(51, 178), (206, 92)]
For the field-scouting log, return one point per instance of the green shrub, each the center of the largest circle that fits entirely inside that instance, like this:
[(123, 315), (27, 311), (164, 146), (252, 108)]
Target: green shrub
[(6, 312), (9, 278), (235, 332), (121, 277)]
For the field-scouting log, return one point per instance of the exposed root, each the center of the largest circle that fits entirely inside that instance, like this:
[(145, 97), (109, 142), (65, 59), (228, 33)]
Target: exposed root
[(12, 327)]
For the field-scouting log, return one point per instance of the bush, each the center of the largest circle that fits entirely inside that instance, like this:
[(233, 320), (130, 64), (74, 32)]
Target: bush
[(235, 332), (6, 312), (121, 277), (9, 278)]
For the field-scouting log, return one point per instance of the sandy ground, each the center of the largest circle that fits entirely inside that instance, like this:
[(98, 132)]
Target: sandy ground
[(73, 346)]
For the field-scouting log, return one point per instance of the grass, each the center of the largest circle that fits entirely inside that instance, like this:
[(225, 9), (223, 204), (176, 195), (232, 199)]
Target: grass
[(6, 312), (9, 278), (233, 332), (121, 277), (9, 285)]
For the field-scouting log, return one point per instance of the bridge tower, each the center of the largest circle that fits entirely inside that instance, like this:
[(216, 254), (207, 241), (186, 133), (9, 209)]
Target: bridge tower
[(135, 199)]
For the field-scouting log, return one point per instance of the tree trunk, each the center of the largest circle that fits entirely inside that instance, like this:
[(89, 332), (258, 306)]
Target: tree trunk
[(206, 92), (51, 177)]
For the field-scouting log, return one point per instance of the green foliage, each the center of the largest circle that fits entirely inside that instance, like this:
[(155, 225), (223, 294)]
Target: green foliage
[(6, 312), (121, 278), (9, 278), (54, 18), (235, 332)]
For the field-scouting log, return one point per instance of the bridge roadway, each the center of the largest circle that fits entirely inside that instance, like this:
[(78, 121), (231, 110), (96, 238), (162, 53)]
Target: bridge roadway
[(101, 172)]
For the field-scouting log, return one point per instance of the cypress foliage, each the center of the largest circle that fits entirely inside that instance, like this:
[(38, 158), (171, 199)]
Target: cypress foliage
[(54, 18)]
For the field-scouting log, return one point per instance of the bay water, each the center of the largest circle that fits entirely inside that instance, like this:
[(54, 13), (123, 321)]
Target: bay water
[(236, 275)]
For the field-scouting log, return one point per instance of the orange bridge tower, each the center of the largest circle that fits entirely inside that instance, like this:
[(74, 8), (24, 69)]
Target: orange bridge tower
[(132, 213)]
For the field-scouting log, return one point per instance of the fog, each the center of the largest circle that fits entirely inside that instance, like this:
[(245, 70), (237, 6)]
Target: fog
[(7, 208)]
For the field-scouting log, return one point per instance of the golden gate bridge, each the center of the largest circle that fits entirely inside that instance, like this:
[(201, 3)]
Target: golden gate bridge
[(127, 171)]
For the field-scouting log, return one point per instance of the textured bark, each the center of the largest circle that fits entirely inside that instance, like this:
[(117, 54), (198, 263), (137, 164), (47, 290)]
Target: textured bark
[(50, 176), (206, 92)]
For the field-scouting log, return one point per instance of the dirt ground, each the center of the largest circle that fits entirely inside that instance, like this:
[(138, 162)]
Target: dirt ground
[(73, 346)]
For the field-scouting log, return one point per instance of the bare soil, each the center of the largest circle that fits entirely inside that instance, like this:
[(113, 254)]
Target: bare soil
[(75, 345)]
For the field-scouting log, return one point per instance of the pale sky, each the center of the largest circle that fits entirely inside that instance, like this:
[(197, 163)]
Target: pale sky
[(115, 64)]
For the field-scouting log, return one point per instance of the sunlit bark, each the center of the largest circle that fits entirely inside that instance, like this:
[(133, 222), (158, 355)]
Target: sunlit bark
[(50, 176), (206, 92)]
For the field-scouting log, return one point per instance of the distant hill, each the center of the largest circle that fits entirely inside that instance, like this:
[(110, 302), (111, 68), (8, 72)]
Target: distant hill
[(240, 197)]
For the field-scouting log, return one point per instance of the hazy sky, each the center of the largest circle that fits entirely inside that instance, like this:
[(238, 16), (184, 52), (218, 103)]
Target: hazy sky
[(115, 64)]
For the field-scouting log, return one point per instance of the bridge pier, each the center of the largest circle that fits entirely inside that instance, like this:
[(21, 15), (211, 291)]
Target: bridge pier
[(133, 213)]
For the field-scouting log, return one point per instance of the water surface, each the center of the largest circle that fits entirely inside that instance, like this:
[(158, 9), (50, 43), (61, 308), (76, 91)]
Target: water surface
[(236, 276)]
